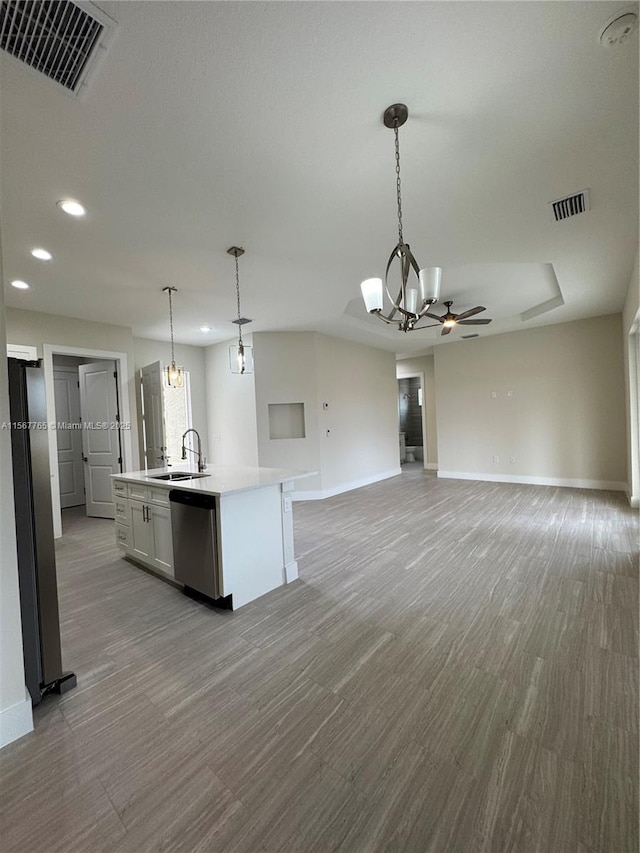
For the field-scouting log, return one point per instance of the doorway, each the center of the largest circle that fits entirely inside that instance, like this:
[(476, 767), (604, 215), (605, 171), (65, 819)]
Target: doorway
[(105, 450), (166, 416), (411, 420)]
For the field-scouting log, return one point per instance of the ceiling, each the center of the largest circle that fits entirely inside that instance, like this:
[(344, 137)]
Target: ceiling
[(259, 124)]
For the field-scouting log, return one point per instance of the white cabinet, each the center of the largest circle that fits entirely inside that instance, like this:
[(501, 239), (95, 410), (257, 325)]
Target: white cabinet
[(161, 543), (141, 545), (143, 524)]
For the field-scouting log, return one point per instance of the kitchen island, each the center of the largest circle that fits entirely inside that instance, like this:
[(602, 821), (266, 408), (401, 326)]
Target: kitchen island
[(252, 525)]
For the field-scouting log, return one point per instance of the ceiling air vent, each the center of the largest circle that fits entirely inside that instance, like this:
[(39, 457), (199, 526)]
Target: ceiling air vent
[(61, 40), (571, 205)]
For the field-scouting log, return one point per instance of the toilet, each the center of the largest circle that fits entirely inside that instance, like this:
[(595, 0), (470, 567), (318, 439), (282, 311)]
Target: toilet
[(414, 454)]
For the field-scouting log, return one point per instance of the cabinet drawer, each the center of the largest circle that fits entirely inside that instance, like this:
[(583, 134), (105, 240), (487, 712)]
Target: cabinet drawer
[(138, 492), (119, 488), (123, 536), (158, 496), (121, 510)]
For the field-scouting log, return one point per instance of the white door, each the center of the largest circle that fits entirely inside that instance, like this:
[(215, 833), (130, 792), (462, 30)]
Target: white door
[(100, 436), (154, 427), (66, 387)]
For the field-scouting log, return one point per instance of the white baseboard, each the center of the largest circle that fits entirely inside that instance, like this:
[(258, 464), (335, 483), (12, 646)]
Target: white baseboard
[(523, 479), (634, 502), (320, 494), (291, 571), (16, 721)]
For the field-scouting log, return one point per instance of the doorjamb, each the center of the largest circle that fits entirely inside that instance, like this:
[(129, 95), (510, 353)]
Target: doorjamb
[(634, 412), (120, 359), (420, 375)]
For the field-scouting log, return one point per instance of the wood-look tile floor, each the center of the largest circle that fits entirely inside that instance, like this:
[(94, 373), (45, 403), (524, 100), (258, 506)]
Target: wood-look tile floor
[(455, 671)]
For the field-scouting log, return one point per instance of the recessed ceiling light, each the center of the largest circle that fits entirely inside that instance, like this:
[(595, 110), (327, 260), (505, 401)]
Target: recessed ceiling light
[(42, 254), (205, 328), (73, 208), (20, 285)]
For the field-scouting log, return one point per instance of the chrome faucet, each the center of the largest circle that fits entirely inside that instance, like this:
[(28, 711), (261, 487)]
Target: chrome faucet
[(202, 462)]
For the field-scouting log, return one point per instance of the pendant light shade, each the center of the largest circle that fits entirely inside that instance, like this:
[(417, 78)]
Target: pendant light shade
[(174, 375), (372, 293)]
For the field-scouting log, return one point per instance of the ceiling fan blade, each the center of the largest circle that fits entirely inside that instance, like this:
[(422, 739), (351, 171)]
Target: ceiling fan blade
[(446, 330), (433, 316), (472, 322), (470, 312)]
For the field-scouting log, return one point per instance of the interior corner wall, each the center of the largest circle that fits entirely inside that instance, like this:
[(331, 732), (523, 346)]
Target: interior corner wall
[(425, 365), (286, 372), (193, 360), (16, 717), (231, 410), (550, 398), (358, 383), (34, 328), (631, 326)]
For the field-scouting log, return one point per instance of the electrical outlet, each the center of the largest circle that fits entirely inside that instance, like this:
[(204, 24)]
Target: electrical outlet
[(496, 458), (494, 394), (287, 504), (509, 393)]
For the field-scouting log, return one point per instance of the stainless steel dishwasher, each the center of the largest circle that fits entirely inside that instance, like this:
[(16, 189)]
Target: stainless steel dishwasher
[(195, 553)]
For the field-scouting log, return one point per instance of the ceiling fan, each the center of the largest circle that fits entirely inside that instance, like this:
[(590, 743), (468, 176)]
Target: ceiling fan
[(449, 320)]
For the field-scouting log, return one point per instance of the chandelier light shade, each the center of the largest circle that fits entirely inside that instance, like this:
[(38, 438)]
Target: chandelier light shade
[(240, 355), (419, 288), (174, 374)]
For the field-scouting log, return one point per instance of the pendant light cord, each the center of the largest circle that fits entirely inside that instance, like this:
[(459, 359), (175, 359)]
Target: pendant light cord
[(238, 301), (398, 189), (173, 354)]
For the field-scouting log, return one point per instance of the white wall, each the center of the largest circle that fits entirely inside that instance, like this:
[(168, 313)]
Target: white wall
[(286, 372), (425, 365), (359, 384), (36, 329), (15, 705), (631, 326), (193, 360), (564, 421), (231, 410)]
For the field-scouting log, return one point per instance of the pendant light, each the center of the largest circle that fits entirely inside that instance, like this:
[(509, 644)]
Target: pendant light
[(240, 355), (174, 375), (414, 296)]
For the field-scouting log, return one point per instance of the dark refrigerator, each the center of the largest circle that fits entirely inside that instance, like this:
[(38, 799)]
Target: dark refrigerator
[(34, 532)]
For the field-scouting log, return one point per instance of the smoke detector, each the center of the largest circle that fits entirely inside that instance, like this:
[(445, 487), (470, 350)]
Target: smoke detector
[(619, 28)]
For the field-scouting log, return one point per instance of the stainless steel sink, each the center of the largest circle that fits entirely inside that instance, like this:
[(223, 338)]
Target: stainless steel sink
[(176, 475)]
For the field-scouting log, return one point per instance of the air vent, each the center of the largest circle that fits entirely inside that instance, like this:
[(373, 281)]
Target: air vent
[(571, 205), (466, 337), (61, 40)]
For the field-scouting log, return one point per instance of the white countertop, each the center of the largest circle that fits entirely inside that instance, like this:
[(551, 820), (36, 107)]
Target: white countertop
[(219, 480)]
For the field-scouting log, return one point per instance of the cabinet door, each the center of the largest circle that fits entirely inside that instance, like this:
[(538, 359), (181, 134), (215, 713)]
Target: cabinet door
[(141, 541), (160, 526)]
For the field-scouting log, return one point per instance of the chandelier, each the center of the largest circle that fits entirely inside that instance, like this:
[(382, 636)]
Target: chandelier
[(174, 375), (240, 356), (419, 288)]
